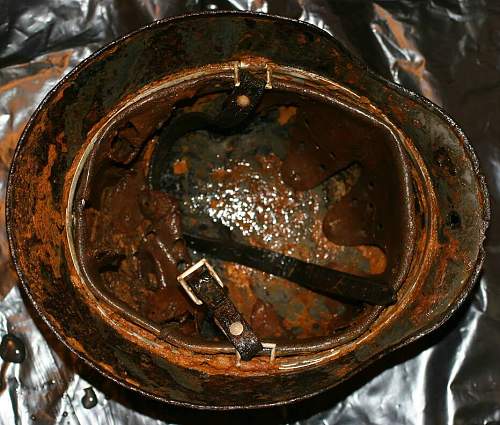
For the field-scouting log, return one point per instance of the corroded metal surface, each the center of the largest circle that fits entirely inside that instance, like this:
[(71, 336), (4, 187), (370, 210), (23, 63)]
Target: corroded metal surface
[(449, 226), (116, 210)]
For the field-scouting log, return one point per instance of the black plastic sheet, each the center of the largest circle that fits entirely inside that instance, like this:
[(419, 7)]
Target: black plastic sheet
[(447, 50)]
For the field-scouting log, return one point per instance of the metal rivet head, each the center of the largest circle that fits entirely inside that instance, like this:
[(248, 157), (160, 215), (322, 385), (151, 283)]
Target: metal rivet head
[(243, 101), (236, 328)]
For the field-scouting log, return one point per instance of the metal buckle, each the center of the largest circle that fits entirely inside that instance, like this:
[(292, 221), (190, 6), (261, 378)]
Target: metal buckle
[(257, 66), (267, 346), (181, 278)]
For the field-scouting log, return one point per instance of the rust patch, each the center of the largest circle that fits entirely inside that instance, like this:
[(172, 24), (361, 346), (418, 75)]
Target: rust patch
[(180, 167), (46, 219), (286, 113)]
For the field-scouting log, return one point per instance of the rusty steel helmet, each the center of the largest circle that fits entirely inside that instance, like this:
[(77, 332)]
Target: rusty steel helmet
[(229, 210)]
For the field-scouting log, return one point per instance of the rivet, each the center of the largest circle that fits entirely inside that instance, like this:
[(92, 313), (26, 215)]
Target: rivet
[(243, 101), (236, 328)]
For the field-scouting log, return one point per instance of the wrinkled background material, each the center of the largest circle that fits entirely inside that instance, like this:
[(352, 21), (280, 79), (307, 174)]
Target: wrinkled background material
[(447, 50)]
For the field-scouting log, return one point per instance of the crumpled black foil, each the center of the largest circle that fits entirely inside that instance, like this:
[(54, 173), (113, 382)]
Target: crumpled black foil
[(447, 50)]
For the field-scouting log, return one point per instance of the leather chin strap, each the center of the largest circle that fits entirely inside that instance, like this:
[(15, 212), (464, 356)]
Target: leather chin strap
[(321, 279), (204, 286)]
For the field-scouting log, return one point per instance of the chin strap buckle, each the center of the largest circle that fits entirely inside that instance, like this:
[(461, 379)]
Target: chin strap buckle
[(204, 287)]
